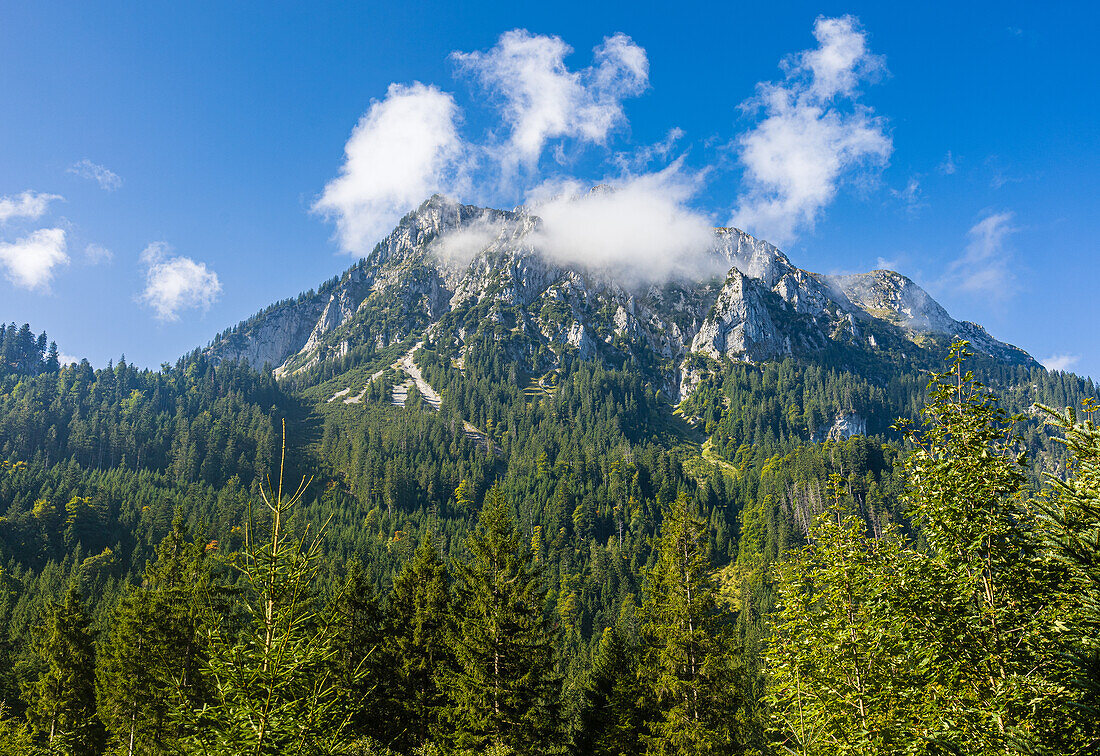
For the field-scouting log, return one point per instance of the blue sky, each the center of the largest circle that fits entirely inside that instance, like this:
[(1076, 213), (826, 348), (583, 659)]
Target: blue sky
[(170, 168)]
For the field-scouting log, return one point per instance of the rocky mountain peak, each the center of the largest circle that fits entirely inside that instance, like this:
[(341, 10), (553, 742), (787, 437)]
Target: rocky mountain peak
[(449, 271)]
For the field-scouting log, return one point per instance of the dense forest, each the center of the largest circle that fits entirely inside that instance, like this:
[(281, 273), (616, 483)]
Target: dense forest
[(202, 559)]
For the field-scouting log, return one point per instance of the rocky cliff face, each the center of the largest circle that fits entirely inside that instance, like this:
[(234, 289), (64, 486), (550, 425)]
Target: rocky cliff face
[(450, 271)]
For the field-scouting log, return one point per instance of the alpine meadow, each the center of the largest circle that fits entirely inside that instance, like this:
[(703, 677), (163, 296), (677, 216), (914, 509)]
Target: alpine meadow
[(567, 455)]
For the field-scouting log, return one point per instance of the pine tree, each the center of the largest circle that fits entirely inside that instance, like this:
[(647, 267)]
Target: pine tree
[(419, 606), (64, 707), (504, 692), (690, 657)]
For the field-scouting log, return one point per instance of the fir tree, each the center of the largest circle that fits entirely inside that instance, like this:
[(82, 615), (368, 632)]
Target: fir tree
[(365, 670), (616, 704), (1071, 534), (504, 692)]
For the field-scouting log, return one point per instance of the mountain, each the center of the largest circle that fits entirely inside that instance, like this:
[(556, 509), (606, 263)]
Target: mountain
[(448, 270)]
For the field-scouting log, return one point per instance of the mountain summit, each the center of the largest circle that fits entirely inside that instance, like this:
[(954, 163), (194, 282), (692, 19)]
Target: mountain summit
[(449, 271)]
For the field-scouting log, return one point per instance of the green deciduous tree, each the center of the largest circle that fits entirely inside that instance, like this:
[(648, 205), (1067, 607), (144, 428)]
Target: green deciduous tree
[(838, 654), (990, 617)]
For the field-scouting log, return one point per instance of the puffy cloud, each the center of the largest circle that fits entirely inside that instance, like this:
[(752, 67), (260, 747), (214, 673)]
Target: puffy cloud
[(983, 267), (541, 99), (404, 148), (812, 135), (1060, 361), (107, 179), (174, 283), (30, 261), (642, 230), (29, 205)]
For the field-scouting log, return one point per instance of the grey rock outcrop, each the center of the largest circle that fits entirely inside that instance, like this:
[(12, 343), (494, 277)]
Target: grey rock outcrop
[(450, 270)]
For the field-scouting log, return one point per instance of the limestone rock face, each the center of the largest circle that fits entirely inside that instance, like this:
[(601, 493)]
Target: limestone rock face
[(450, 271), (739, 326), (893, 297)]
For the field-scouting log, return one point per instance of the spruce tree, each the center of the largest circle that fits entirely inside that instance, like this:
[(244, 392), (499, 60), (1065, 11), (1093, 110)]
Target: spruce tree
[(419, 606), (690, 657), (64, 706), (1071, 534), (365, 670), (150, 662), (504, 692), (616, 705)]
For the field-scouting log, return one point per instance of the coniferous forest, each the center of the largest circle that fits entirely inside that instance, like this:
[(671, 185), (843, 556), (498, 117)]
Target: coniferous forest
[(205, 560)]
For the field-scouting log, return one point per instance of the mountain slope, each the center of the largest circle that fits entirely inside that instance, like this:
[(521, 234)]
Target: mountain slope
[(450, 270)]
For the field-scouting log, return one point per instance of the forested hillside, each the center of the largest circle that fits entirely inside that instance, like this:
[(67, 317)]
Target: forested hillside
[(551, 563)]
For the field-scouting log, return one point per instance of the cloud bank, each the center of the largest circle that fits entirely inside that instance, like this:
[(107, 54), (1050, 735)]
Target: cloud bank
[(30, 261), (1060, 361), (174, 283), (642, 229), (812, 134)]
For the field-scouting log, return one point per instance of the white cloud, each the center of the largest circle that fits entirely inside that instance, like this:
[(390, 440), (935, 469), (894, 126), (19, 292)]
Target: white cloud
[(29, 205), (983, 267), (642, 229), (67, 359), (30, 261), (542, 100), (173, 284), (1060, 361), (107, 179), (404, 148), (95, 254), (809, 141)]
